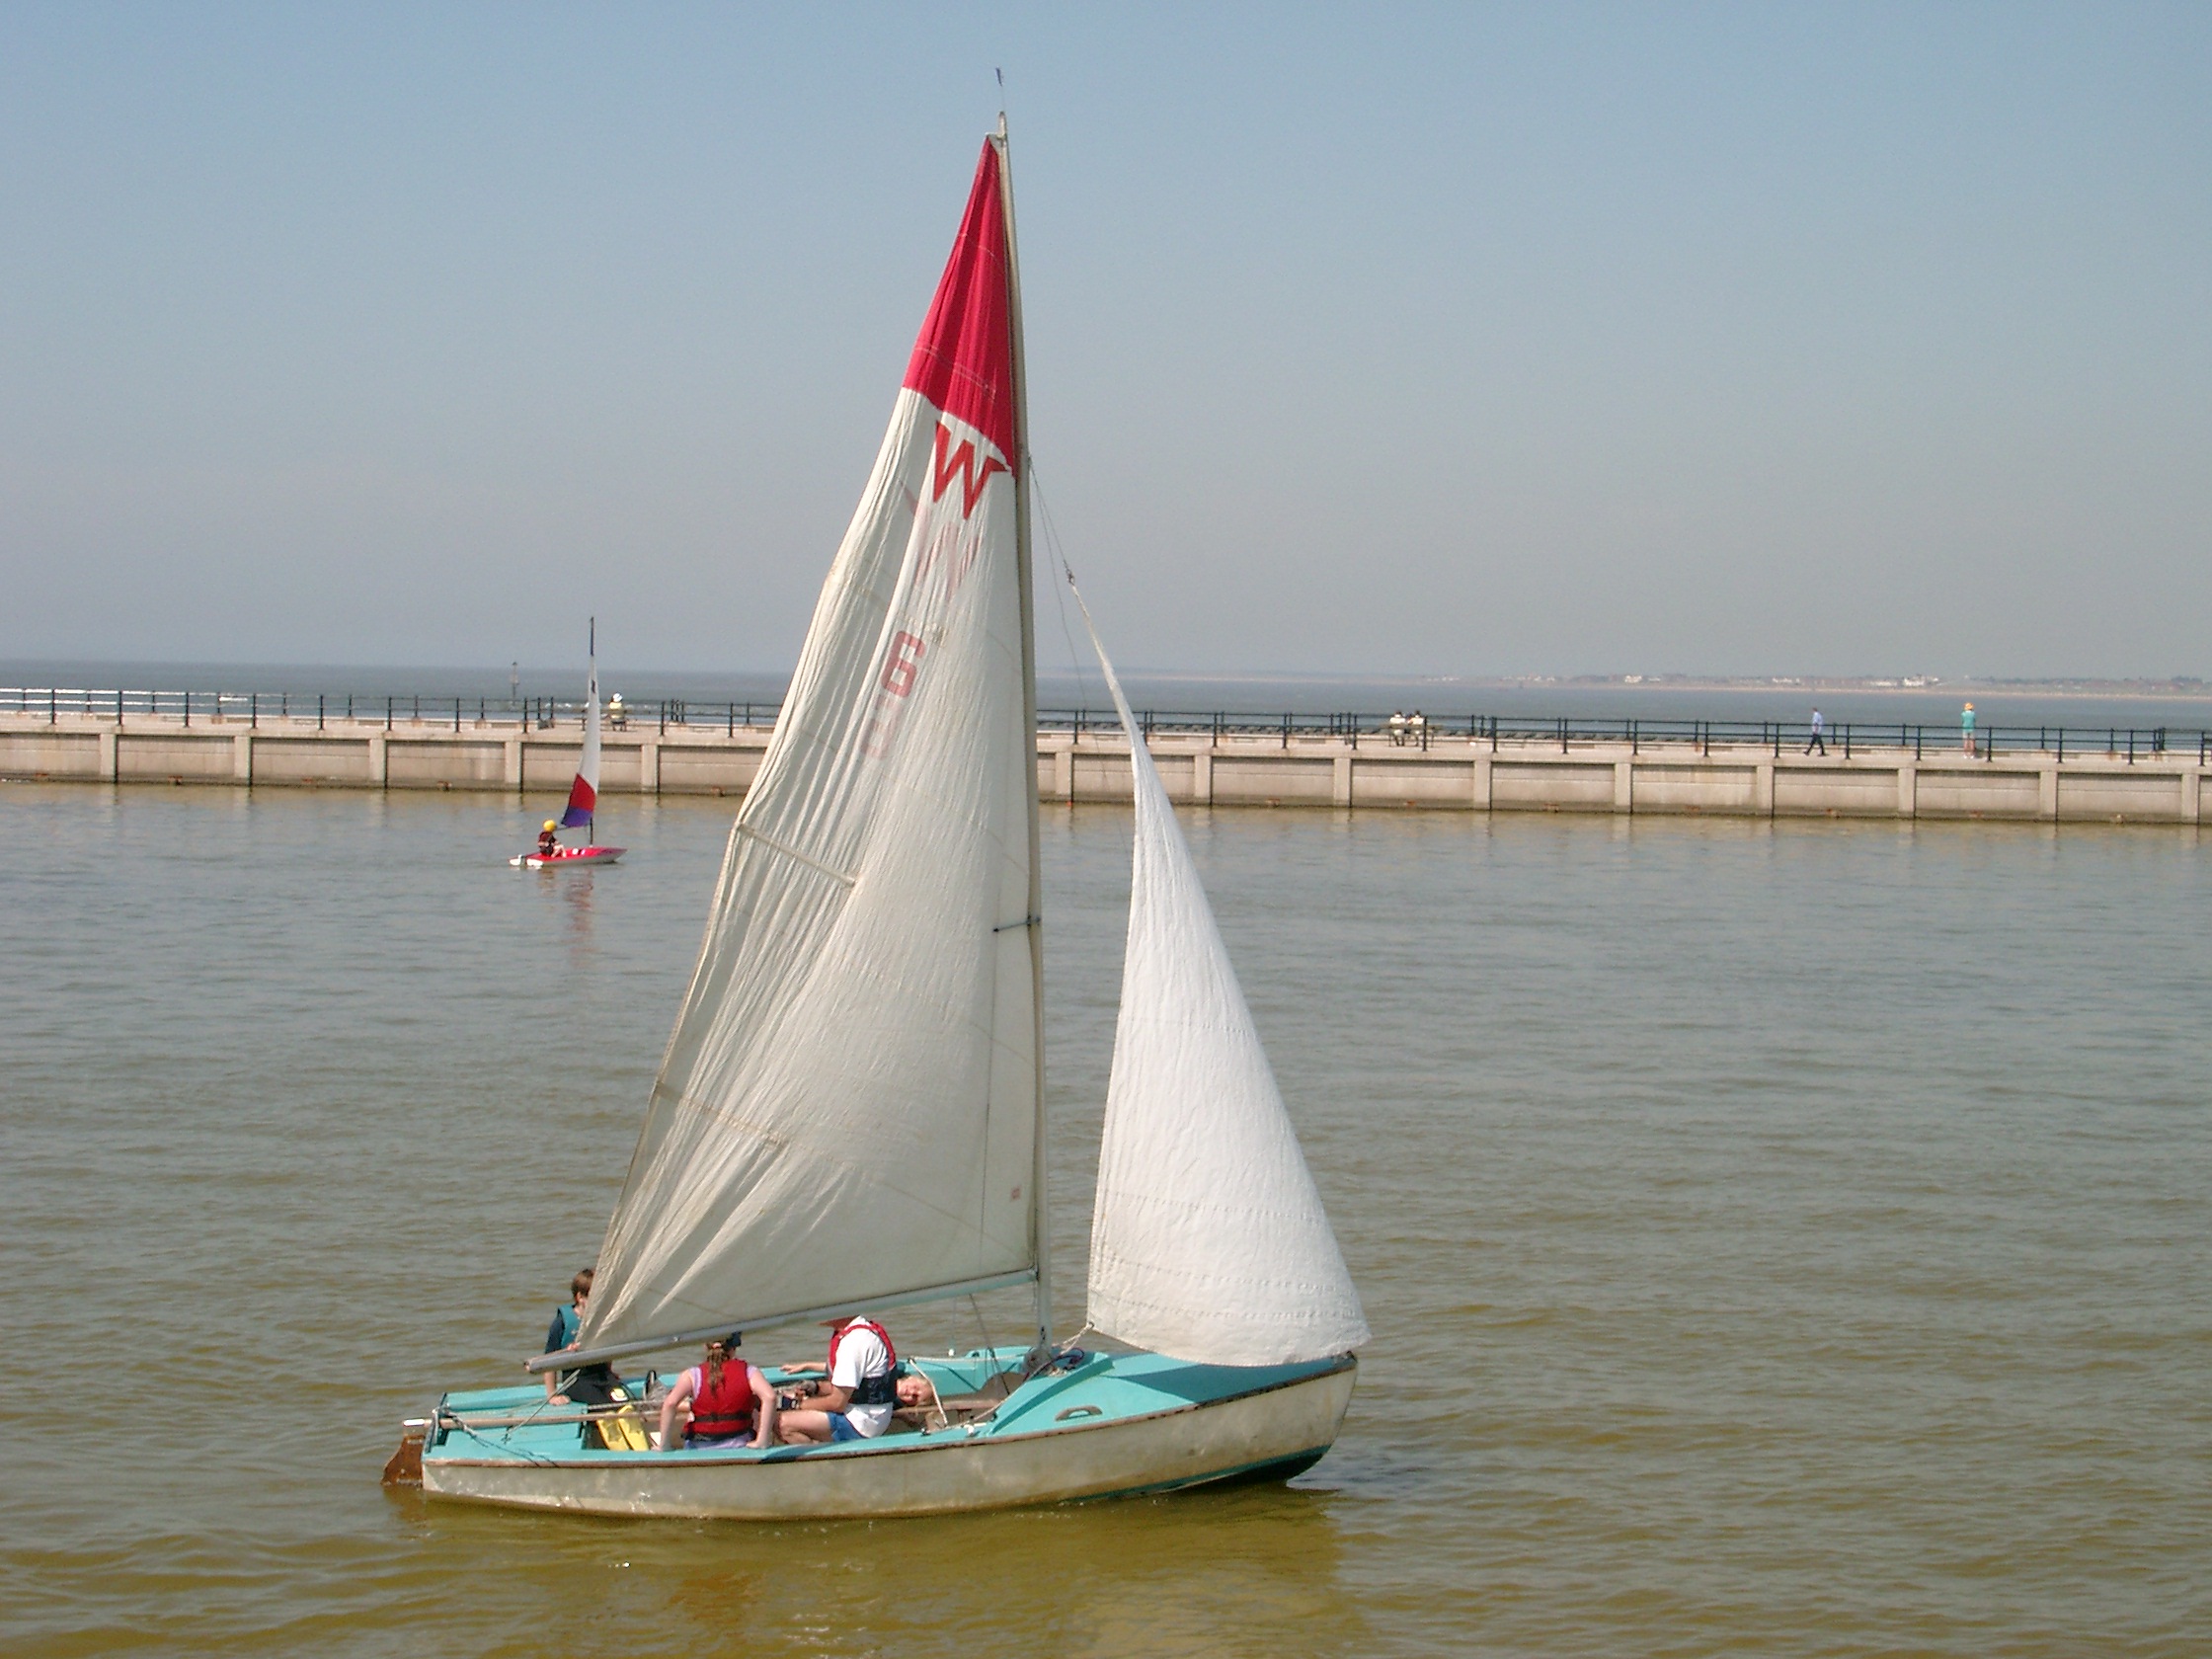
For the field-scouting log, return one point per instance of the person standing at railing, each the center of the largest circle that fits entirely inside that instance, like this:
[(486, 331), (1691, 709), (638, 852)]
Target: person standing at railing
[(1966, 728), (1819, 739)]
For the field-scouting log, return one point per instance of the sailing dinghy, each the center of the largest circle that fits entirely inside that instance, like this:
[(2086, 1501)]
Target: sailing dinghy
[(584, 793), (849, 1114)]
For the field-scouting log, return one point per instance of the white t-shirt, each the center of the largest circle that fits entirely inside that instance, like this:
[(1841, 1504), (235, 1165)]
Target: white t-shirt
[(861, 1352)]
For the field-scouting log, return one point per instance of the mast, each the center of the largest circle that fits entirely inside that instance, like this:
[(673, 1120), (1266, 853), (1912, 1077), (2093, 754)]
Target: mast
[(1040, 1209), (592, 691), (584, 793)]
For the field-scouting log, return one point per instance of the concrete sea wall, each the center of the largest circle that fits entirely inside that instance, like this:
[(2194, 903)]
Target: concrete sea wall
[(1234, 769)]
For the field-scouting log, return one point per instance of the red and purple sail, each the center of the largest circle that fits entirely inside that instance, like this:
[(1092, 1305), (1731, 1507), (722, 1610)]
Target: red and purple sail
[(584, 793)]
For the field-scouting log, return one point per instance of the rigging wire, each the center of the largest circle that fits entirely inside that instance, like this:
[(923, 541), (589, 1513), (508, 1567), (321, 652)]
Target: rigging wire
[(991, 1353), (936, 1405), (1074, 657), (1059, 600)]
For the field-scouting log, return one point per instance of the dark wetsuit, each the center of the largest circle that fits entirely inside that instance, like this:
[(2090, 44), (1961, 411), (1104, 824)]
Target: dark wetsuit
[(594, 1384)]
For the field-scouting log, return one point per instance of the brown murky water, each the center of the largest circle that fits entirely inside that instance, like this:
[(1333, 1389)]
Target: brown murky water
[(1778, 1239)]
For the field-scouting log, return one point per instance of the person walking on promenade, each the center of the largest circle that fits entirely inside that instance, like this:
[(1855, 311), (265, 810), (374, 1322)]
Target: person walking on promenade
[(1817, 740), (1966, 728)]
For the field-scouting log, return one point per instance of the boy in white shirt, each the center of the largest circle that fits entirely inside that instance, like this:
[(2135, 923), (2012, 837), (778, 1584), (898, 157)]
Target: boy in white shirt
[(854, 1400)]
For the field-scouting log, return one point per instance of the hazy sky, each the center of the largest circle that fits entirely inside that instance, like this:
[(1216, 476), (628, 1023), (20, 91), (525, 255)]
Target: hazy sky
[(1483, 340)]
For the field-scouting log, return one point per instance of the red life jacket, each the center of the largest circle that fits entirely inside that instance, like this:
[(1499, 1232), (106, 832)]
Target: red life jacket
[(724, 1411), (869, 1391)]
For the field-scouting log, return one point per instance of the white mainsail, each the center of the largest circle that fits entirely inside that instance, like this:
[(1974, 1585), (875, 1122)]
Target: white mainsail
[(847, 1107), (1207, 1242)]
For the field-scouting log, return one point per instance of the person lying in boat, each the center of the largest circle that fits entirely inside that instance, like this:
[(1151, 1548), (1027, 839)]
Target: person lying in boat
[(854, 1398), (730, 1402), (911, 1388), (589, 1385), (549, 839)]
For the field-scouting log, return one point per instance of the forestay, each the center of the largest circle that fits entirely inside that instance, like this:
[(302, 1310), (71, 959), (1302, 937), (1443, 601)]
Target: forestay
[(1209, 1242), (847, 1106)]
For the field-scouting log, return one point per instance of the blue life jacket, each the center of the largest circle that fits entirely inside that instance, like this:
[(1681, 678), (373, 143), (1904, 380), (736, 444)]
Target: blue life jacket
[(558, 1335)]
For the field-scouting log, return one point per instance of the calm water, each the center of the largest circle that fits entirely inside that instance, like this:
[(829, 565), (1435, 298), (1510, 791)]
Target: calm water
[(1778, 1238)]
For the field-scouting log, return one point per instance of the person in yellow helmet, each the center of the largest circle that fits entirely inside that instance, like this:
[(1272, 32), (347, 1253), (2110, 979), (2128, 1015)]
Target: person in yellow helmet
[(549, 839)]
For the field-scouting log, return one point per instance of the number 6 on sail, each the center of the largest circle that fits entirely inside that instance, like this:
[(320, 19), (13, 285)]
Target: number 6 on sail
[(849, 1114)]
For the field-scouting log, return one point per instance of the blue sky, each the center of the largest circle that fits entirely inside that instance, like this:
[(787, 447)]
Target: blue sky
[(1471, 340)]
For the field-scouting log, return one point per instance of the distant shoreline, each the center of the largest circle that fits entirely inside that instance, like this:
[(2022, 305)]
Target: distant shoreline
[(768, 686), (2117, 691)]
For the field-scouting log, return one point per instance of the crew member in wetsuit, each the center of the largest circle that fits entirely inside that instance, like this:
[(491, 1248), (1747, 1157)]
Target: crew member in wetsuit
[(548, 839), (593, 1384), (732, 1403), (854, 1400)]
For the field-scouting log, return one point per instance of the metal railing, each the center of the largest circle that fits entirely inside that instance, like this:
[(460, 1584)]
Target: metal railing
[(1702, 736), (1457, 731), (389, 711)]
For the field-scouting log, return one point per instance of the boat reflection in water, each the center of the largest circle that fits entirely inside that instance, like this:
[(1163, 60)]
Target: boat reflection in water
[(1236, 1569)]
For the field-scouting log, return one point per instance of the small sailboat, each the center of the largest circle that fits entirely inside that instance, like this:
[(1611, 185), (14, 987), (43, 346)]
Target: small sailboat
[(848, 1117), (584, 793)]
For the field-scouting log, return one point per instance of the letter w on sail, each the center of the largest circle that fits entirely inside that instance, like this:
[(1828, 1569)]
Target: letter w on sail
[(963, 460)]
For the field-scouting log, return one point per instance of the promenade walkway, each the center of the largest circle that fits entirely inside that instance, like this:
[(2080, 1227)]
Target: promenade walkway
[(1468, 763)]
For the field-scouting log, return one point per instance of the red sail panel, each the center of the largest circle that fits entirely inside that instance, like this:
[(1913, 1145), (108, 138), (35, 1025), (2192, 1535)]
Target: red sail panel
[(964, 362), (583, 801)]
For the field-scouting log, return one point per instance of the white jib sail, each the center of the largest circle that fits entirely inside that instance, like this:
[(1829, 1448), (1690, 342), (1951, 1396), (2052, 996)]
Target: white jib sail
[(846, 1108), (1207, 1240)]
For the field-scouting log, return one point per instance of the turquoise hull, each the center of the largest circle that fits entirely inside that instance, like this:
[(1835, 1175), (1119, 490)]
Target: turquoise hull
[(1116, 1424)]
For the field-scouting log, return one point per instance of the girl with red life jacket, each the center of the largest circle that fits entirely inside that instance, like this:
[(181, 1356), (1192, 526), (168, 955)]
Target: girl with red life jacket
[(732, 1403), (854, 1400)]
